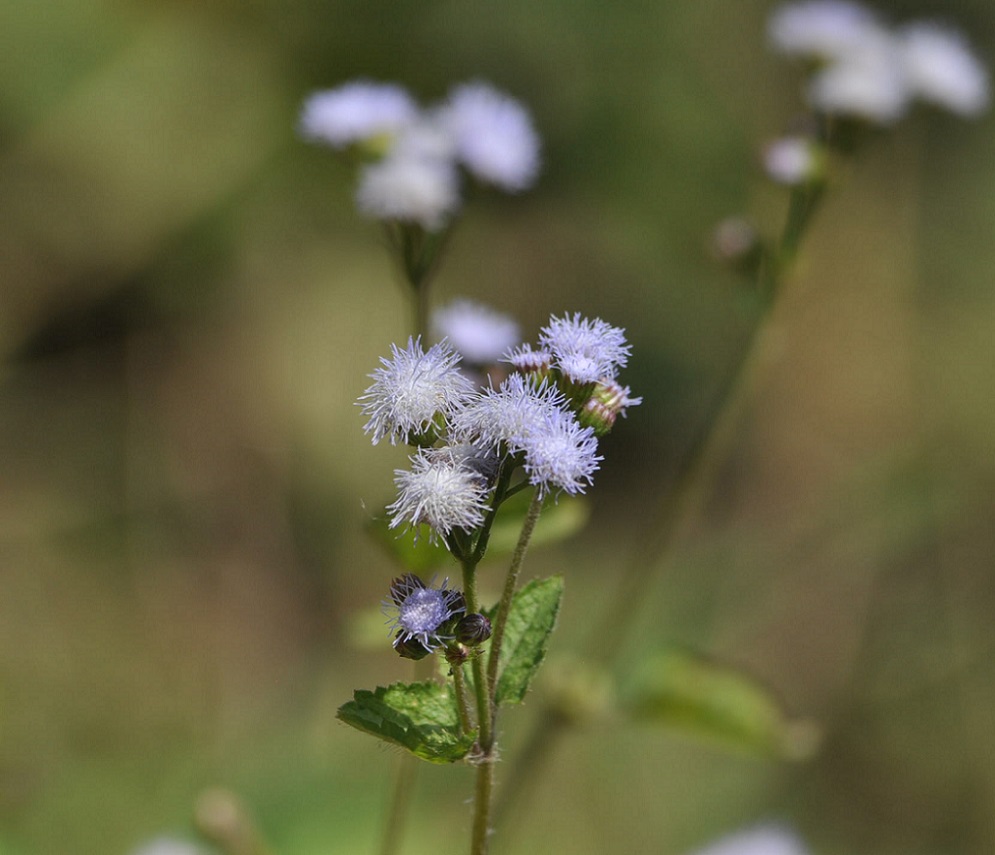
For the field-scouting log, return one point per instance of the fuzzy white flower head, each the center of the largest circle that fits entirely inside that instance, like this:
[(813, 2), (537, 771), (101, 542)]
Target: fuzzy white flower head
[(411, 389), (479, 334), (585, 350), (822, 29), (942, 70), (441, 491), (494, 136), (560, 454), (505, 416), (355, 112), (409, 188), (523, 358), (866, 82), (763, 840), (791, 160)]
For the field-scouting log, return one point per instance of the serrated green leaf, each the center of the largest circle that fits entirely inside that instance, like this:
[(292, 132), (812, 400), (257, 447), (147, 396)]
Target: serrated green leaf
[(681, 690), (559, 520), (412, 548), (420, 717), (531, 620)]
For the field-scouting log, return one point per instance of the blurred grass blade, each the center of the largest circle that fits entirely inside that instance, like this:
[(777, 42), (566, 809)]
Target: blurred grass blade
[(420, 717), (680, 690)]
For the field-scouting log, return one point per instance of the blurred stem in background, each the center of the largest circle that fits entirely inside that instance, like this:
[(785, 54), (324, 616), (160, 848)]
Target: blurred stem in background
[(694, 474)]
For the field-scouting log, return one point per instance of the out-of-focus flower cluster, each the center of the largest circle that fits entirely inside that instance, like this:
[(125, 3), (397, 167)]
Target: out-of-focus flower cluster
[(545, 417), (413, 158), (761, 840), (862, 68)]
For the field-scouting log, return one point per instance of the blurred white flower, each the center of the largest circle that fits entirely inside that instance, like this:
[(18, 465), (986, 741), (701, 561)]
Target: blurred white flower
[(792, 160), (168, 846), (820, 28), (867, 81), (355, 112), (942, 70), (494, 136), (409, 187), (762, 840), (478, 333)]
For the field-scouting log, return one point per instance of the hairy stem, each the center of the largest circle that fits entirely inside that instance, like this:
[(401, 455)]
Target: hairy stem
[(510, 584)]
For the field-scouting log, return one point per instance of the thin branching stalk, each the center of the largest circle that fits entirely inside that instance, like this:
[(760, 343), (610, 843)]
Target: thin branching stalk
[(704, 451), (510, 585)]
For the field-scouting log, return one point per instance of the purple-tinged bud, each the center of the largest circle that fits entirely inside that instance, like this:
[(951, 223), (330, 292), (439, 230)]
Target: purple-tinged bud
[(404, 585), (607, 401), (473, 629), (410, 648)]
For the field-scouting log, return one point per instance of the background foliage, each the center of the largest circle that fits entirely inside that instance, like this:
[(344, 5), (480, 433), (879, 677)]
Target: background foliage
[(190, 307)]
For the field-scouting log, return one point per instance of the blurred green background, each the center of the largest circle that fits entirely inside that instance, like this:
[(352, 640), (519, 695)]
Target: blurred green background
[(190, 307)]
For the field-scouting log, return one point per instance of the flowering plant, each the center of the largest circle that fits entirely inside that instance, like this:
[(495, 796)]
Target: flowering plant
[(488, 418)]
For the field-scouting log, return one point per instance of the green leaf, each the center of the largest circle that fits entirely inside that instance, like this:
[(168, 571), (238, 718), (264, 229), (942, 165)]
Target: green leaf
[(558, 521), (530, 621), (412, 548), (420, 717), (679, 689)]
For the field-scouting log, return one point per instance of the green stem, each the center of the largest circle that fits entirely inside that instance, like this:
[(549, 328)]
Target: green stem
[(482, 807), (510, 584), (462, 701), (485, 719), (501, 493), (400, 801), (485, 684)]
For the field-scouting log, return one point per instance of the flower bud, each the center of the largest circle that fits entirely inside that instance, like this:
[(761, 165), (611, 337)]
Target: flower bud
[(473, 629), (608, 399), (735, 243), (410, 648), (402, 586)]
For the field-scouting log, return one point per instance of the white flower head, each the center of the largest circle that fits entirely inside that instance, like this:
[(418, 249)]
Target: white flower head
[(409, 187), (762, 840), (411, 389), (356, 112), (866, 82), (820, 29), (523, 358), (792, 160), (560, 454), (479, 334), (585, 350), (505, 416), (440, 490), (942, 70), (494, 136)]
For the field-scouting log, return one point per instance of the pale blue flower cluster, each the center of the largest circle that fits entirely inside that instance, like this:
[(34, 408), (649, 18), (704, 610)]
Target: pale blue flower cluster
[(544, 418), (866, 70), (418, 613), (414, 158)]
